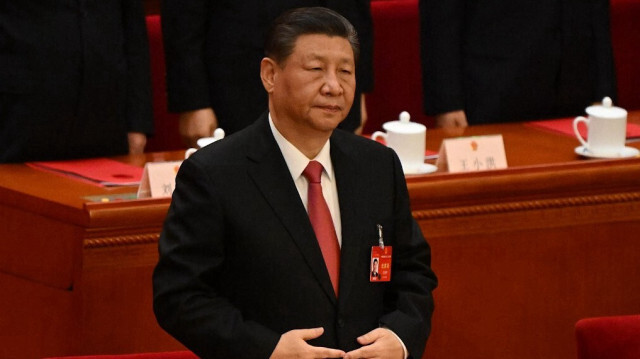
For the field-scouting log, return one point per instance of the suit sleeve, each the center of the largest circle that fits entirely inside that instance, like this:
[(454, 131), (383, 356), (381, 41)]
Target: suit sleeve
[(184, 29), (441, 31), (410, 302), (139, 104), (365, 36), (603, 51), (358, 12), (189, 299)]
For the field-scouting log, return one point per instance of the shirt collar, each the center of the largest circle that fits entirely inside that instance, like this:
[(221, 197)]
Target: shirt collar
[(296, 160)]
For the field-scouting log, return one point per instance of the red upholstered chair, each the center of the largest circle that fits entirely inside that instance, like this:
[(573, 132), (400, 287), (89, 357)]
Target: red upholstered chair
[(397, 66), (616, 337), (625, 35), (166, 137), (165, 355)]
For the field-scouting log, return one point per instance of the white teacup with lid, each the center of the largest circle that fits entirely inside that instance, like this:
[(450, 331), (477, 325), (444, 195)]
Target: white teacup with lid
[(218, 134), (606, 130), (408, 139)]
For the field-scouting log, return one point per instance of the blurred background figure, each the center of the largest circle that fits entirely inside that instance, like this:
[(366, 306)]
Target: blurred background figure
[(491, 61), (213, 53), (74, 79)]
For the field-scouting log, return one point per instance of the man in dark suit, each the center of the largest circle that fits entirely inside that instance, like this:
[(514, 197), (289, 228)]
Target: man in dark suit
[(491, 61), (74, 79), (213, 51), (243, 269)]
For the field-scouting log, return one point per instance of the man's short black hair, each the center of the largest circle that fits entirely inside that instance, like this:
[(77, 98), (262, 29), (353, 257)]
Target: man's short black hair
[(285, 30)]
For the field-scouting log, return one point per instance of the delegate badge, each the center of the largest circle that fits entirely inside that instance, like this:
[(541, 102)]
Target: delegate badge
[(380, 270)]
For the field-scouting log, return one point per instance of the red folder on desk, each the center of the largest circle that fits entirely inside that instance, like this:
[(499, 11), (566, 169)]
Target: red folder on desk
[(99, 171), (565, 126)]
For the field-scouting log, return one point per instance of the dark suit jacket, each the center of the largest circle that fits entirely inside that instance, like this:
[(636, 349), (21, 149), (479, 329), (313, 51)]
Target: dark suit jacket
[(74, 78), (239, 263), (515, 60), (213, 52)]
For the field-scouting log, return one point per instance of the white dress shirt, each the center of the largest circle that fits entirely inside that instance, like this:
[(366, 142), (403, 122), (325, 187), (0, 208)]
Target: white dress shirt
[(297, 162)]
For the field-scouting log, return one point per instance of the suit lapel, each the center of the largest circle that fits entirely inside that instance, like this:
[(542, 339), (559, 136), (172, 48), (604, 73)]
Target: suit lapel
[(351, 212), (272, 177)]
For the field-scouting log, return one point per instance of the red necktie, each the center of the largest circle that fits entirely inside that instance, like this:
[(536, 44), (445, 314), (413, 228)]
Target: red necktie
[(322, 223)]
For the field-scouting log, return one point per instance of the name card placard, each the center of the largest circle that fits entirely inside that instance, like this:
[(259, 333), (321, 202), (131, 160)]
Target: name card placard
[(470, 154), (158, 179)]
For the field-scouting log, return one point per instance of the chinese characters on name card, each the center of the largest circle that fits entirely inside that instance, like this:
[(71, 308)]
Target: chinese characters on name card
[(158, 179), (468, 154)]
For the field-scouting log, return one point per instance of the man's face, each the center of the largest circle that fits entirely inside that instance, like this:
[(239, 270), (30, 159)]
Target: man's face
[(313, 89)]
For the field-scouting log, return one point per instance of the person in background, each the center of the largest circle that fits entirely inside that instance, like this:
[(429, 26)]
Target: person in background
[(492, 61), (213, 51), (267, 246), (74, 79)]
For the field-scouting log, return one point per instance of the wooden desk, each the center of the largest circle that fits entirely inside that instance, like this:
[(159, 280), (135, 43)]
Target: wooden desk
[(521, 254), (76, 275)]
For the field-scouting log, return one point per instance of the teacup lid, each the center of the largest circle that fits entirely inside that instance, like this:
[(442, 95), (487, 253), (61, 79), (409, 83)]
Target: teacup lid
[(606, 110), (404, 125), (218, 134)]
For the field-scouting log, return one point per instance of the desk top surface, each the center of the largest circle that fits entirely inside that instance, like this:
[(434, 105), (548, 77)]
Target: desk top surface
[(526, 145), (530, 152)]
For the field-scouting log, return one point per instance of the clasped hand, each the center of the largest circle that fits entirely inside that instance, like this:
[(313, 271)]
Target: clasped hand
[(377, 344)]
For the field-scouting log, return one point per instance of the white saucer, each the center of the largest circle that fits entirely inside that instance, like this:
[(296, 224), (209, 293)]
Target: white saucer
[(424, 169), (624, 152)]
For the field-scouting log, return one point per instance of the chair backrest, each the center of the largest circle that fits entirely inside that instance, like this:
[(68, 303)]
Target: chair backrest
[(166, 137), (396, 64), (161, 355), (625, 36), (615, 337)]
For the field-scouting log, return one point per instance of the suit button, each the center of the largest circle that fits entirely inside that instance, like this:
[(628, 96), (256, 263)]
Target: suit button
[(340, 323)]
